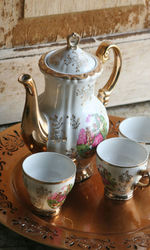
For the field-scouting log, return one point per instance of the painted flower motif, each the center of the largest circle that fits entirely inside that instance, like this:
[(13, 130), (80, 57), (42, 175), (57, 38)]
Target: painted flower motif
[(88, 118), (82, 137), (95, 126), (57, 199), (107, 178), (105, 181), (90, 136), (120, 185), (99, 138), (125, 177), (58, 196)]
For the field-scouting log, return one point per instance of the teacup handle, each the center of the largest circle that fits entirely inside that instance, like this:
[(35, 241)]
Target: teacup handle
[(103, 53), (144, 174)]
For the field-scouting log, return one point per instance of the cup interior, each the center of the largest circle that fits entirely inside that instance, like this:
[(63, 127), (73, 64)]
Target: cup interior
[(49, 167), (136, 128), (122, 152)]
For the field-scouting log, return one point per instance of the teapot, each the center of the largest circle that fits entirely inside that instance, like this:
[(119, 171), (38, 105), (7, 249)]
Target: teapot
[(67, 117)]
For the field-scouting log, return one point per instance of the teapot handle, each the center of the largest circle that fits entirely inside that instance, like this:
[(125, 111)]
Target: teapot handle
[(103, 53)]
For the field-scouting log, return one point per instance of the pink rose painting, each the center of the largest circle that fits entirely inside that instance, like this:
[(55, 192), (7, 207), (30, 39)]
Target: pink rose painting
[(57, 199), (98, 138), (82, 137), (90, 136)]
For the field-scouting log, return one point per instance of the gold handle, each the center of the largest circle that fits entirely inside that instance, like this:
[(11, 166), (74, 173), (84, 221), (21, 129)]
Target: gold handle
[(103, 53), (145, 174)]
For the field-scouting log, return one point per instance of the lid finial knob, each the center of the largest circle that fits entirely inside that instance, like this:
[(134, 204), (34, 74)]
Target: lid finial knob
[(73, 40)]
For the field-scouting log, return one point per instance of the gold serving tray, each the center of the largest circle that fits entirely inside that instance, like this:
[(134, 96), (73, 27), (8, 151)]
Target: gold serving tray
[(88, 220)]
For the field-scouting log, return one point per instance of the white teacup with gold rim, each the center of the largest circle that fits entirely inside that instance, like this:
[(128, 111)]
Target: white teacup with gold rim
[(122, 163), (136, 128), (48, 178)]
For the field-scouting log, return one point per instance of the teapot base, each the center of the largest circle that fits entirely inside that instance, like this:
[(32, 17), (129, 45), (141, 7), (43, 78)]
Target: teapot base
[(85, 169)]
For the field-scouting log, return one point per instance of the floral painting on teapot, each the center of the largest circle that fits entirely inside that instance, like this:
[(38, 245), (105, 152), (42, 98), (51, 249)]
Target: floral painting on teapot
[(90, 136)]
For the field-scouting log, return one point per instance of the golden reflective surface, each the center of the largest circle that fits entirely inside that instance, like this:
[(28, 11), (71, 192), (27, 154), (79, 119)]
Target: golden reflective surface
[(87, 219)]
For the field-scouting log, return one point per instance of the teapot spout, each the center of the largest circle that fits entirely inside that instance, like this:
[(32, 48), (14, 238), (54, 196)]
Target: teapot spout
[(34, 125)]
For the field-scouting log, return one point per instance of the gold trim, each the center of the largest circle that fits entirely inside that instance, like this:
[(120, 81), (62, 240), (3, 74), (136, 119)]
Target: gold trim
[(34, 127), (144, 174), (103, 53), (45, 69), (141, 142), (110, 164), (45, 182)]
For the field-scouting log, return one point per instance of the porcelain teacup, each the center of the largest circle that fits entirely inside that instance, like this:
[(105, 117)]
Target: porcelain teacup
[(48, 178), (122, 163), (136, 128)]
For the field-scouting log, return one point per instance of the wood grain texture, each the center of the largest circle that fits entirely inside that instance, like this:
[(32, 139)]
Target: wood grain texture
[(133, 85), (15, 30), (37, 8)]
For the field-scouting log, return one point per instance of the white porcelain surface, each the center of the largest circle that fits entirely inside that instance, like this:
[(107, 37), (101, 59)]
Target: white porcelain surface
[(77, 120), (49, 167), (69, 61), (48, 177), (121, 152), (136, 128), (119, 161)]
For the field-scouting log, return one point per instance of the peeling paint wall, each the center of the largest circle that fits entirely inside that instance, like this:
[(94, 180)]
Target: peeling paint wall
[(15, 30), (10, 14)]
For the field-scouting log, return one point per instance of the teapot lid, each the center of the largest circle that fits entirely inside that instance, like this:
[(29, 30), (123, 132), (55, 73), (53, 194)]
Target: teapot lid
[(70, 62)]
